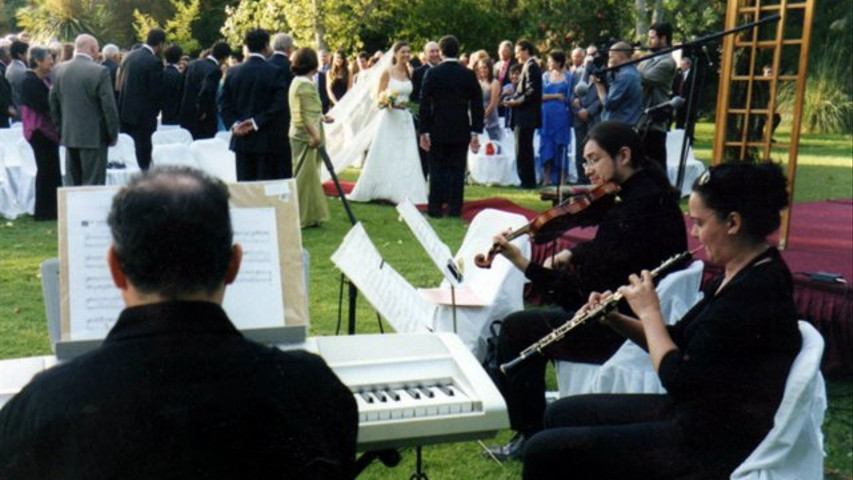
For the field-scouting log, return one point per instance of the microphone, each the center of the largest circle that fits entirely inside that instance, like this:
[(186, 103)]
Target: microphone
[(675, 103), (581, 89)]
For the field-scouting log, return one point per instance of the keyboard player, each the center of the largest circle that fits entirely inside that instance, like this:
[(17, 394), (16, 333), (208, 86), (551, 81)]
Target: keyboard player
[(175, 391)]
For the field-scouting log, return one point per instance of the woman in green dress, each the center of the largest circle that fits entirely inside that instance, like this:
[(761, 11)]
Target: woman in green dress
[(306, 138)]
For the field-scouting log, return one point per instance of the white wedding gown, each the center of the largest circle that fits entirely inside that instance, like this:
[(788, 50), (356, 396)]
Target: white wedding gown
[(392, 169)]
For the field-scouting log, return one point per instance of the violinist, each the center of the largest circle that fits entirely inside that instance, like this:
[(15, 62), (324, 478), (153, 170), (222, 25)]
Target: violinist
[(724, 364), (640, 231)]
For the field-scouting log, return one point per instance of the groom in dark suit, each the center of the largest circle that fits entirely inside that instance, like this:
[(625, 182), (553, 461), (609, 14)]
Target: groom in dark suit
[(451, 117)]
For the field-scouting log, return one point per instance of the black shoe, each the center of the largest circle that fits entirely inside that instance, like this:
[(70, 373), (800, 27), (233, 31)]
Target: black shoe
[(510, 451)]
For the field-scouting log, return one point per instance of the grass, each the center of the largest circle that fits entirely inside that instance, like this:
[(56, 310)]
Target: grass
[(826, 171)]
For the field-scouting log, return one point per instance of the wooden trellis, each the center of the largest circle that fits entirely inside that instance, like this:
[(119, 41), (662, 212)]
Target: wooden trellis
[(747, 103)]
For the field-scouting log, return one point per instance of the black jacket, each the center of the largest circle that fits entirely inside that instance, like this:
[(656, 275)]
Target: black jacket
[(193, 104), (172, 92), (176, 392), (256, 90), (283, 122), (451, 104), (141, 95), (529, 90)]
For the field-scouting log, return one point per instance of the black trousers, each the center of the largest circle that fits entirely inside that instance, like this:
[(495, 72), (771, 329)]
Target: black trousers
[(447, 178), (285, 161), (654, 145), (524, 156), (257, 166), (141, 141), (48, 176), (619, 437), (523, 388)]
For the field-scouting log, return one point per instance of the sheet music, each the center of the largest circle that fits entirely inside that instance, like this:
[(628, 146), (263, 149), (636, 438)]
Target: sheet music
[(386, 290), (95, 302), (437, 250), (254, 300)]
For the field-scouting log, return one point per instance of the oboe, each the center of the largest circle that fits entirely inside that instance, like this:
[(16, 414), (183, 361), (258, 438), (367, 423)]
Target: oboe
[(603, 308)]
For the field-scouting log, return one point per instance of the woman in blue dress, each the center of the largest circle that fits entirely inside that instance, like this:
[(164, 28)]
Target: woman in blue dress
[(554, 134)]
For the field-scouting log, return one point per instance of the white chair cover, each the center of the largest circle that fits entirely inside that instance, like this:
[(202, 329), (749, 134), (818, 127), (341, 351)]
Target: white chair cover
[(25, 177), (9, 138), (500, 287), (693, 168), (173, 154), (214, 157), (9, 208), (497, 169), (630, 370), (171, 135), (123, 152), (793, 450)]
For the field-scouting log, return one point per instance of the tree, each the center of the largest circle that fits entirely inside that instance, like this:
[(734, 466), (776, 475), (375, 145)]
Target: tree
[(178, 28), (61, 19)]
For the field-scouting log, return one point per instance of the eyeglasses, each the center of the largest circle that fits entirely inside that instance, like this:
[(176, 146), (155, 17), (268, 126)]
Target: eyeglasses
[(590, 163)]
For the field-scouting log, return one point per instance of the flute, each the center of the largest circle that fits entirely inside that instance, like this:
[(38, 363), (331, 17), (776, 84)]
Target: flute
[(602, 308)]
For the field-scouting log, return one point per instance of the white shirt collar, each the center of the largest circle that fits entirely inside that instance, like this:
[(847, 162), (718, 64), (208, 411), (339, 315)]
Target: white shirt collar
[(451, 59), (148, 47), (280, 53), (257, 55), (213, 59)]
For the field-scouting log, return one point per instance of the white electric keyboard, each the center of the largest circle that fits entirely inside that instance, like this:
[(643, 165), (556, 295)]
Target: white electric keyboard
[(411, 389)]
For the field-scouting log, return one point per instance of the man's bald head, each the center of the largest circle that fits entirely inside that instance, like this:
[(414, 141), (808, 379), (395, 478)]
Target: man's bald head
[(432, 52), (87, 44), (620, 52)]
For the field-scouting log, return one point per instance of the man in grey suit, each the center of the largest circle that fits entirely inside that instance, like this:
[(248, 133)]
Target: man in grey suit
[(83, 106), (15, 73)]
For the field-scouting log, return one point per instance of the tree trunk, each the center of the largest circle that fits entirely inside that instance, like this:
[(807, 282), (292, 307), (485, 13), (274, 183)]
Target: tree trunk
[(642, 22), (657, 16), (319, 25)]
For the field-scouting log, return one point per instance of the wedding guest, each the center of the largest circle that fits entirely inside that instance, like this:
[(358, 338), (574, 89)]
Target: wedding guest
[(527, 114), (173, 80), (508, 91), (555, 132), (491, 97), (307, 137), (40, 131), (15, 72), (338, 78), (362, 65), (578, 55)]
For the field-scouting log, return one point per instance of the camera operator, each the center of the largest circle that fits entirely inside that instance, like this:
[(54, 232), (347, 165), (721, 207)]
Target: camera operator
[(622, 100), (656, 74)]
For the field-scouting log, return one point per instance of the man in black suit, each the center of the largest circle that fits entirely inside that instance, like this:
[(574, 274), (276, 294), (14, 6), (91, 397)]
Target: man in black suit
[(173, 81), (451, 118), (432, 56), (527, 112), (252, 100), (198, 101), (141, 93), (681, 88), (7, 107), (282, 44), (111, 55), (325, 66), (175, 391)]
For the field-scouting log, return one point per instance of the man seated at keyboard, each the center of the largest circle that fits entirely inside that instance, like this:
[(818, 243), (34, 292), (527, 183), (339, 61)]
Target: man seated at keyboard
[(175, 391)]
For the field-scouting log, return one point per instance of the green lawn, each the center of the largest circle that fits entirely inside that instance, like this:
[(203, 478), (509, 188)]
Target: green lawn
[(826, 171)]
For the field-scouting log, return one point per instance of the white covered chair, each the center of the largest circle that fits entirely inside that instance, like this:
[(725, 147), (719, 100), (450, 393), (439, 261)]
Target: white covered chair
[(793, 450), (25, 183), (171, 135), (173, 154), (122, 153), (9, 208), (693, 168), (500, 288), (496, 169), (630, 370), (214, 157)]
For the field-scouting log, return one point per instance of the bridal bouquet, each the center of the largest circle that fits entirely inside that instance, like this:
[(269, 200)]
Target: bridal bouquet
[(388, 99)]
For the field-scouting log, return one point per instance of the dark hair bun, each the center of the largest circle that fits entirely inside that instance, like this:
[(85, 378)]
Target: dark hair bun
[(758, 192)]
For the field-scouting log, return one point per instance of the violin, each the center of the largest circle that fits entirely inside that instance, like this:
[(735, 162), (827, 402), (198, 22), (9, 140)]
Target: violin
[(579, 210)]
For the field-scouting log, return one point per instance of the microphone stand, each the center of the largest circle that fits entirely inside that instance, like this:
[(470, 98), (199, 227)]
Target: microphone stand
[(696, 83)]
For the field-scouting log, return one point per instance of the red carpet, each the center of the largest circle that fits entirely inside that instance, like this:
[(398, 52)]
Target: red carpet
[(820, 240)]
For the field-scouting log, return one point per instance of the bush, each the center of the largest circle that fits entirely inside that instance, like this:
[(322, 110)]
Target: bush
[(827, 102)]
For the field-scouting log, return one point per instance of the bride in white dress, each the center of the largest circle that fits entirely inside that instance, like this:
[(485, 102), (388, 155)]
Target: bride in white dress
[(392, 169)]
